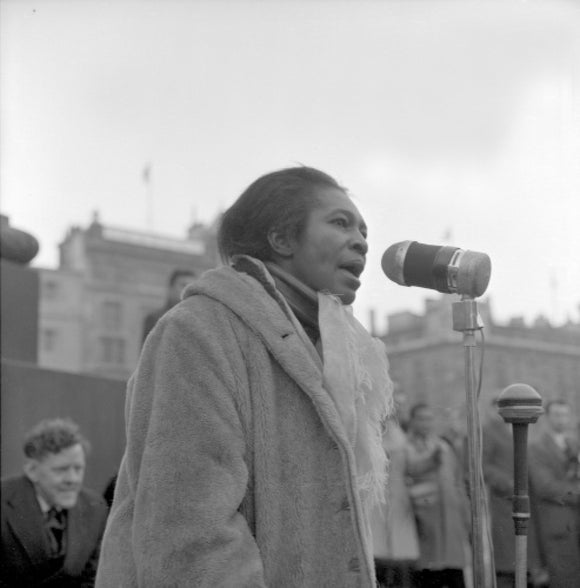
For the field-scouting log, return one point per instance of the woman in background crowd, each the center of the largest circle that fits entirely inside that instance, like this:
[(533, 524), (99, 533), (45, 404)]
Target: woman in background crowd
[(437, 489), (395, 543)]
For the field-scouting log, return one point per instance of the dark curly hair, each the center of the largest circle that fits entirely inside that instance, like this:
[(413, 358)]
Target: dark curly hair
[(281, 201), (53, 436)]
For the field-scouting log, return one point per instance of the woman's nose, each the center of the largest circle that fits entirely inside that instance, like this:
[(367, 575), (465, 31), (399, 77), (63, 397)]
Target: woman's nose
[(360, 244)]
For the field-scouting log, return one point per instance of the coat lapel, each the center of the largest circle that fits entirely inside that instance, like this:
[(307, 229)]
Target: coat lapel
[(23, 514), (282, 334), (76, 537)]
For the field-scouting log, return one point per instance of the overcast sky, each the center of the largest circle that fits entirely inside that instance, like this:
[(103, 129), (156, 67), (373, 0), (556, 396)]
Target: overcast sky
[(450, 122)]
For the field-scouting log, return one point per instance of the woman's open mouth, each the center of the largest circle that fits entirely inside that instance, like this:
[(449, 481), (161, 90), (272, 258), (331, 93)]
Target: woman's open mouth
[(354, 267)]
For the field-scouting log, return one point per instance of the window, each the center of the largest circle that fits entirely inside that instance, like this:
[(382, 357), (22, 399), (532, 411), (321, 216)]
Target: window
[(111, 315), (112, 350), (49, 339)]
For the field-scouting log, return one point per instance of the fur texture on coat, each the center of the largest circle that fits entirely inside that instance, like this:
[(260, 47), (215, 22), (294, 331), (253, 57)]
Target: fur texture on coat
[(237, 470)]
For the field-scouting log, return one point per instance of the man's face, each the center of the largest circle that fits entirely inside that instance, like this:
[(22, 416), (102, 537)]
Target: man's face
[(58, 477), (559, 417)]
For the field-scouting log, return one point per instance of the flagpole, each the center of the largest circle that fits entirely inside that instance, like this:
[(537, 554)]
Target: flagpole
[(147, 178)]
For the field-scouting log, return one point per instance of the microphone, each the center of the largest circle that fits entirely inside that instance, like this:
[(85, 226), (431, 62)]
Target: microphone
[(439, 267)]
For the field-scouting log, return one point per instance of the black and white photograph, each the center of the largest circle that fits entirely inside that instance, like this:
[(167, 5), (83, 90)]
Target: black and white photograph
[(290, 293)]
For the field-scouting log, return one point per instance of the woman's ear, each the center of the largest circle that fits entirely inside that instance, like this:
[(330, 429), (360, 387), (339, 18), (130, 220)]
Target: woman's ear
[(281, 242)]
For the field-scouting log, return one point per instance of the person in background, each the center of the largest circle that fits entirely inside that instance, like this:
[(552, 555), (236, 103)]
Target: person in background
[(254, 451), (437, 490), (395, 541), (109, 491), (178, 280), (51, 526), (401, 404), (555, 486), (454, 431)]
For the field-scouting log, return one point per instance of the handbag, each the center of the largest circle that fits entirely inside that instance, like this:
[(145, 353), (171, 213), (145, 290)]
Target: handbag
[(423, 494)]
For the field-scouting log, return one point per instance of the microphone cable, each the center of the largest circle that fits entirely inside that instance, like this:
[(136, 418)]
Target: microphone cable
[(485, 504)]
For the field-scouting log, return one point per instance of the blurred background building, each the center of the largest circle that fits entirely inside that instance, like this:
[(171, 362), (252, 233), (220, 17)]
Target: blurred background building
[(427, 357), (93, 305), (71, 336)]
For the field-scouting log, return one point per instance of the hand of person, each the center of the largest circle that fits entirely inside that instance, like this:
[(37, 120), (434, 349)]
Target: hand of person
[(539, 578)]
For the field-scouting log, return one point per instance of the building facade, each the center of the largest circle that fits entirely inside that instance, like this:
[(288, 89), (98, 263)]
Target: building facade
[(428, 358), (92, 308)]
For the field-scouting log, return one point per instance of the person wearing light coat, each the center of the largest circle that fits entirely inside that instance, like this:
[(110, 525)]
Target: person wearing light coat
[(393, 526), (253, 418), (440, 503)]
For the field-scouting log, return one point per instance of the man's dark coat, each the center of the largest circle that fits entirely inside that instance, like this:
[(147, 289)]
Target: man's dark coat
[(25, 552)]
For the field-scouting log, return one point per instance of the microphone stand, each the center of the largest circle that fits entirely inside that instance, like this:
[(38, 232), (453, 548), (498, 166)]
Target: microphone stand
[(520, 405), (466, 321)]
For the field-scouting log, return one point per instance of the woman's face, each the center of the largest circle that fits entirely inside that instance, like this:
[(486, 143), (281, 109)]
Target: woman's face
[(330, 254)]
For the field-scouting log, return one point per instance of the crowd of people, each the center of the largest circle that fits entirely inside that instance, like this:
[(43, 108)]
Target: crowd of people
[(52, 527), (422, 536), (264, 446)]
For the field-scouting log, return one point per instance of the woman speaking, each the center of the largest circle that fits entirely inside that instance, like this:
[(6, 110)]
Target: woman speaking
[(254, 417)]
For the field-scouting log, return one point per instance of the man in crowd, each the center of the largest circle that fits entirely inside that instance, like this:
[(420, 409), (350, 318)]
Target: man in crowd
[(51, 526), (555, 476), (498, 472), (178, 280)]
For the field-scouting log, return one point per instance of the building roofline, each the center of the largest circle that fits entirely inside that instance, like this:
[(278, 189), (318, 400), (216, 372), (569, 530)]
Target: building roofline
[(521, 344), (154, 241)]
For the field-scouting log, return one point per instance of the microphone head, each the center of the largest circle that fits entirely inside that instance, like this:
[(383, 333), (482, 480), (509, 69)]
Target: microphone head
[(474, 273), (520, 403), (393, 261), (439, 267)]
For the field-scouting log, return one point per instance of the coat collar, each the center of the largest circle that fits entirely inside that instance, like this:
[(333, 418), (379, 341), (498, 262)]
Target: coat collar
[(302, 300), (252, 295)]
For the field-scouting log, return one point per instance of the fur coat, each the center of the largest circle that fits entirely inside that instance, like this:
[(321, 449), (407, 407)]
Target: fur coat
[(237, 470)]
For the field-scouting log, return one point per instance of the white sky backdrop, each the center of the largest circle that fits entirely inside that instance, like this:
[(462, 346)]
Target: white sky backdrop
[(457, 118)]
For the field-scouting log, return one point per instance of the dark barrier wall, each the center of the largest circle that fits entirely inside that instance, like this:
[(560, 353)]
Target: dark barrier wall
[(30, 394), (19, 299)]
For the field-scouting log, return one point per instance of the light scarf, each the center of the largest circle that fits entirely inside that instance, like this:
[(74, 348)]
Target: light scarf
[(355, 374)]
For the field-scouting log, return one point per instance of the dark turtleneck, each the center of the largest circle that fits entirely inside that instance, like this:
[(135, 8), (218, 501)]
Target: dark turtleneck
[(300, 298)]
